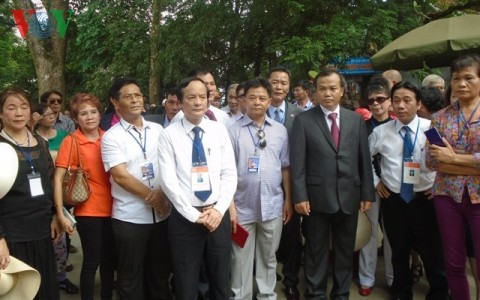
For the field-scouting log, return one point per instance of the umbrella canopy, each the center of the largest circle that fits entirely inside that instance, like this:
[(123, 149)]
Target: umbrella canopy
[(437, 44)]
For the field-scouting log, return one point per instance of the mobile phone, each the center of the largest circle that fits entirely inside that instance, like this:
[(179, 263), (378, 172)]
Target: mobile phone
[(70, 218), (434, 137)]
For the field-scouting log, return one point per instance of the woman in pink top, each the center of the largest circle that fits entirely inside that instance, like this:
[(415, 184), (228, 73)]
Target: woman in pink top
[(93, 217)]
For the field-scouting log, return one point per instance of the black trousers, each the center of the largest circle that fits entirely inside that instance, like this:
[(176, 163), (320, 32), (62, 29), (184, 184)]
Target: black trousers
[(144, 260), (289, 251), (98, 246), (192, 244), (409, 225), (317, 228)]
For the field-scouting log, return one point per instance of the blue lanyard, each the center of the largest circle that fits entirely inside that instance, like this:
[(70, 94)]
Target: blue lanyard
[(27, 156), (460, 133), (144, 147), (416, 135), (253, 139)]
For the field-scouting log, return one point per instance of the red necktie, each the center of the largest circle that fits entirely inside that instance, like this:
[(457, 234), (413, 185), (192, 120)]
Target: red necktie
[(210, 115), (334, 129)]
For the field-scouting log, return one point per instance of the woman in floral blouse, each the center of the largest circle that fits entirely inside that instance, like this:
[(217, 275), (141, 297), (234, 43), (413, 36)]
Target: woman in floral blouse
[(457, 184)]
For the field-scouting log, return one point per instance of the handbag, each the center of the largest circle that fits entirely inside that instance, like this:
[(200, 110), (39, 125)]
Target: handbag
[(74, 184)]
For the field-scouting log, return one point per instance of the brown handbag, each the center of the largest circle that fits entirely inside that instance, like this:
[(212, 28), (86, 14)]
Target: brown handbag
[(75, 185)]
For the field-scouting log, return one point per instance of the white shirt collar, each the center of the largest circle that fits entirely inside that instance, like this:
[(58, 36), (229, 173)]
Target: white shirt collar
[(327, 112), (413, 125)]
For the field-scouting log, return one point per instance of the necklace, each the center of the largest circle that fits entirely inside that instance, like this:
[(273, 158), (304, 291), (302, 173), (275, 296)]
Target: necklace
[(6, 135)]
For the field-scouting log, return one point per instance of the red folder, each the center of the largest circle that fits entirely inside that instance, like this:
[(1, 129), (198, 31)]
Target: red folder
[(241, 235)]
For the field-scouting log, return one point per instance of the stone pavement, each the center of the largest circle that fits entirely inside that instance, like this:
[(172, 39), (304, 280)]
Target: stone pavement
[(379, 292)]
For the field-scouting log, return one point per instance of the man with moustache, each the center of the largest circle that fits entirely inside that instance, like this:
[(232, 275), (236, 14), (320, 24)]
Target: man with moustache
[(200, 186), (140, 210), (331, 181)]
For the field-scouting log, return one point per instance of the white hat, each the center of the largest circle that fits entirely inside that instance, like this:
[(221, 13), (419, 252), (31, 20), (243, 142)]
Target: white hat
[(364, 231), (9, 163), (18, 281)]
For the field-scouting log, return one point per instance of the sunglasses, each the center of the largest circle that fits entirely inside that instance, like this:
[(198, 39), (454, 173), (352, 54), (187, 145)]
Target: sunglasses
[(262, 143), (54, 100), (378, 99)]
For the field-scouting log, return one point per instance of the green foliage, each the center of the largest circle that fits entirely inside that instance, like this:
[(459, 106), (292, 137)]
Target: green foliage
[(16, 67), (109, 40)]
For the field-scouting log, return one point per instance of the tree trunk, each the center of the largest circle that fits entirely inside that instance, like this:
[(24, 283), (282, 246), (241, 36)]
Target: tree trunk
[(47, 47), (154, 81)]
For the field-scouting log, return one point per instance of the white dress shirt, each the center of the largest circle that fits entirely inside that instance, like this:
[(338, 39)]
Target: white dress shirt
[(175, 158), (327, 112), (120, 144), (387, 140)]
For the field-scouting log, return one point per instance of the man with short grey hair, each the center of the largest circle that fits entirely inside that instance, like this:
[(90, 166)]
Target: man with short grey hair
[(435, 81)]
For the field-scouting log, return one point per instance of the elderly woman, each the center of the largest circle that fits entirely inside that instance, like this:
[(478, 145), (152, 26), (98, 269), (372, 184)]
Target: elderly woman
[(94, 216), (26, 225), (457, 184)]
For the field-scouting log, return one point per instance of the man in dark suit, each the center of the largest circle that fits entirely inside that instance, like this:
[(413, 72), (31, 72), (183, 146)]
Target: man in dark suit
[(290, 249), (332, 180), (172, 107), (279, 77)]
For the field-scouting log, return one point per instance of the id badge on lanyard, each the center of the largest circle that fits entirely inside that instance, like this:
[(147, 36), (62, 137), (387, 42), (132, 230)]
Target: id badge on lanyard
[(253, 163), (147, 170), (411, 171), (200, 178), (35, 182)]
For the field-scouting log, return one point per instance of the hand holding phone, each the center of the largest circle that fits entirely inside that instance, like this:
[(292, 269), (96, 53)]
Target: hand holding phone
[(434, 137)]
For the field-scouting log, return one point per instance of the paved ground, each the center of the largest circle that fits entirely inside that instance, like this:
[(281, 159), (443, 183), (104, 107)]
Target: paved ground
[(379, 292)]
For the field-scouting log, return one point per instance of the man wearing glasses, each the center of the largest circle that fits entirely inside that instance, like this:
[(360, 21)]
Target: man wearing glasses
[(260, 205), (54, 99), (140, 211)]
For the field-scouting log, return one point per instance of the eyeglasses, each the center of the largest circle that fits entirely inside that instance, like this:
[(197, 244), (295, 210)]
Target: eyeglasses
[(262, 143), (49, 115), (240, 96), (55, 100), (378, 99), (130, 97)]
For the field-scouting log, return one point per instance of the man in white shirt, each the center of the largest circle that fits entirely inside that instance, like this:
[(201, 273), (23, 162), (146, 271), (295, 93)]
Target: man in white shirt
[(140, 211), (405, 189), (200, 184)]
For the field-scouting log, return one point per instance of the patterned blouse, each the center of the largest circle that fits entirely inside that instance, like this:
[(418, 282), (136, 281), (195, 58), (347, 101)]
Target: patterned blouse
[(450, 123)]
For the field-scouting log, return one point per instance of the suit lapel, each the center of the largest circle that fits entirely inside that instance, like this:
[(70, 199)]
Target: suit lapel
[(345, 123), (322, 123)]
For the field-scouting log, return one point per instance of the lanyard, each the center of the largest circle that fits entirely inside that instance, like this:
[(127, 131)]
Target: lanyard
[(144, 147), (27, 156), (416, 135), (460, 133), (253, 139)]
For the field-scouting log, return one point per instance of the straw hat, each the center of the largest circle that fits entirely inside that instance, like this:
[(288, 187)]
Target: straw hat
[(9, 163), (18, 281), (364, 231)]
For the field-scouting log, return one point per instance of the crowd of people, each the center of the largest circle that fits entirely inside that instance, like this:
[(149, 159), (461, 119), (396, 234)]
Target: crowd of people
[(174, 193)]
